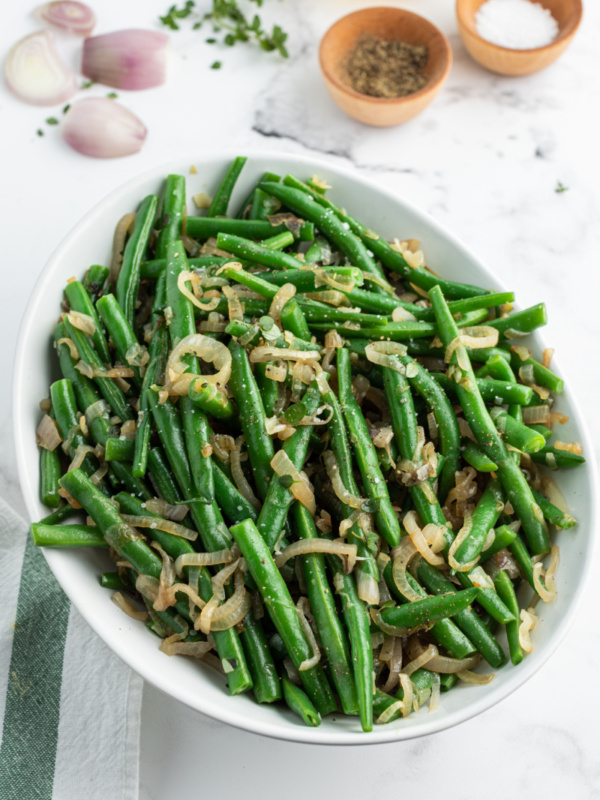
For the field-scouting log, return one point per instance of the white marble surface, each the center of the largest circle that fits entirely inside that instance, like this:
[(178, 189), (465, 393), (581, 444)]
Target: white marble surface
[(485, 160)]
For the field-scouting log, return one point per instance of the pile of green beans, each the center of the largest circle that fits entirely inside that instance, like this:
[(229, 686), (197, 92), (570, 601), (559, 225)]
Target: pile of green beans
[(352, 508)]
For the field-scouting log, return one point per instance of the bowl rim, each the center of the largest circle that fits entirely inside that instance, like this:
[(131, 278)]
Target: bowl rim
[(225, 712), (466, 24), (429, 88)]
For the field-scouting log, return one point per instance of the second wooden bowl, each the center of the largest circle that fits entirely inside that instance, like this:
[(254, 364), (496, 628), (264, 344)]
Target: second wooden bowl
[(382, 22), (507, 61)]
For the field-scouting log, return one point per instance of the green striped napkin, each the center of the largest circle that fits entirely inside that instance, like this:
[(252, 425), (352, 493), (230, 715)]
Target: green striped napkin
[(69, 708)]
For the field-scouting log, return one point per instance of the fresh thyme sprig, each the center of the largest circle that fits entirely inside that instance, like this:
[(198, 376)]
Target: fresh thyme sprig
[(226, 17)]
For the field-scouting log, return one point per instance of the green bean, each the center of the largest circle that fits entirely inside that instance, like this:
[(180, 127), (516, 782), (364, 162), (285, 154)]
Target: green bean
[(367, 572), (118, 534), (112, 580), (499, 368), (520, 553), (262, 205), (542, 376), (207, 517), (445, 632), (94, 280), (511, 477), (79, 300), (121, 333), (357, 622), (121, 474), (492, 391), (68, 418), (474, 455), (210, 400), (197, 437), (129, 276), (172, 213), (252, 418), (162, 477), (557, 459), (393, 331), (546, 432), (504, 536), (158, 353), (330, 631), (366, 457), (50, 472), (466, 619), (448, 431), (404, 425), (448, 681), (428, 610), (67, 535), (256, 252), (382, 250), (488, 599), (119, 449), (468, 304), (300, 703), (562, 519), (515, 433), (485, 516), (504, 587), (206, 227), (278, 500), (268, 389), (220, 201), (521, 322), (293, 319), (108, 388), (281, 609), (194, 421), (231, 501), (381, 703), (61, 514), (321, 316)]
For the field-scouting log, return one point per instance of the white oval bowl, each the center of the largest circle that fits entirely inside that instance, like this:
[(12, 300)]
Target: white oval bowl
[(77, 571)]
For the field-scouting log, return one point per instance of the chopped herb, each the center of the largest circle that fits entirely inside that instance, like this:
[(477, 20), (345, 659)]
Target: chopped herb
[(560, 188), (87, 84), (227, 16), (66, 108), (174, 13), (112, 95), (51, 121), (216, 65), (40, 132)]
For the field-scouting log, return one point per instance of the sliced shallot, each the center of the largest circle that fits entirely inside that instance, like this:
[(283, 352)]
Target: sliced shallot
[(68, 15), (130, 59), (35, 72), (102, 128)]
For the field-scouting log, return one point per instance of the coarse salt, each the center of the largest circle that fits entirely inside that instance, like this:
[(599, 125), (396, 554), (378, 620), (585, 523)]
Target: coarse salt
[(516, 24)]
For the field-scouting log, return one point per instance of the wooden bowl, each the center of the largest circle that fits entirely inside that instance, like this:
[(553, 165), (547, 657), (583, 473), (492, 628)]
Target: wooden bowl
[(507, 61), (382, 22)]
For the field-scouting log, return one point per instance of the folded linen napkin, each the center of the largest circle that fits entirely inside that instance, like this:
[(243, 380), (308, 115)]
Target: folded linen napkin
[(69, 708)]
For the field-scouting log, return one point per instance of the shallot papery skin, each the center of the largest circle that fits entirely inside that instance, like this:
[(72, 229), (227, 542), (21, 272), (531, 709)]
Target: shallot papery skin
[(68, 15), (101, 128), (35, 72), (129, 59)]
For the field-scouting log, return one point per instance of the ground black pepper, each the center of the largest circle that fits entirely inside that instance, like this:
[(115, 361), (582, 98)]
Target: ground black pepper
[(386, 67)]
